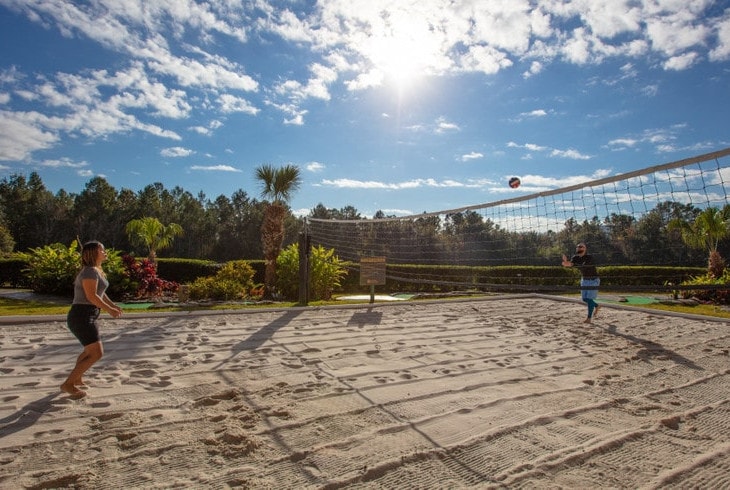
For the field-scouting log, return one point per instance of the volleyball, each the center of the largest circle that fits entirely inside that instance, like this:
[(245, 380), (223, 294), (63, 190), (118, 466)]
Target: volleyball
[(514, 182)]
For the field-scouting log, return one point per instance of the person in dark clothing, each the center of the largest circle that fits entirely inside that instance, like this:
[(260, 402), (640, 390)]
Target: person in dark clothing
[(589, 280)]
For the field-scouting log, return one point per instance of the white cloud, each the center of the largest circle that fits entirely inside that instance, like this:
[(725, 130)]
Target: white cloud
[(721, 51), (570, 153), (534, 114), (681, 62), (553, 152), (536, 183), (485, 59), (176, 151), (623, 142), (396, 212), (22, 133), (676, 32), (442, 125), (63, 163), (207, 131), (371, 184), (534, 147), (200, 130), (650, 90), (215, 168), (474, 155), (315, 167), (230, 103), (535, 68), (362, 81)]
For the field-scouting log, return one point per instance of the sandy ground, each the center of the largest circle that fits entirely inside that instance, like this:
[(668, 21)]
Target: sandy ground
[(490, 393)]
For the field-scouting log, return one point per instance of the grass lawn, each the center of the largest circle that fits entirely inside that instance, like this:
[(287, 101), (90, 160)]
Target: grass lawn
[(11, 306)]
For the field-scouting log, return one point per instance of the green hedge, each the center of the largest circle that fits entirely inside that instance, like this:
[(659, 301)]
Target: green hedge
[(436, 278), (11, 273), (183, 271), (431, 277)]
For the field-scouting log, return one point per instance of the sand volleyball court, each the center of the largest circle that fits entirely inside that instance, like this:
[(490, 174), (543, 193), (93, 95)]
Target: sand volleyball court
[(485, 393)]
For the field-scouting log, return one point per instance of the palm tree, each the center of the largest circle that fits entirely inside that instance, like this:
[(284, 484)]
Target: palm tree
[(278, 186), (152, 234), (705, 232)]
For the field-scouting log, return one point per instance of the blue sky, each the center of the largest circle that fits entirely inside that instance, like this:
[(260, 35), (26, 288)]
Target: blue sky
[(403, 106)]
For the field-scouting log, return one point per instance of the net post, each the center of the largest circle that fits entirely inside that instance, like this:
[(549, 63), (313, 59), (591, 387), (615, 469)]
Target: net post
[(304, 251)]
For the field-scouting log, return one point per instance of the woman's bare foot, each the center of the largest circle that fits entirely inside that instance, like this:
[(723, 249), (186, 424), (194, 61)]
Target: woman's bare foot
[(73, 392), (595, 312), (587, 320)]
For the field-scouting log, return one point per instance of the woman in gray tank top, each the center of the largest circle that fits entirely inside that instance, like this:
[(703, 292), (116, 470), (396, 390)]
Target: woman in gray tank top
[(89, 299)]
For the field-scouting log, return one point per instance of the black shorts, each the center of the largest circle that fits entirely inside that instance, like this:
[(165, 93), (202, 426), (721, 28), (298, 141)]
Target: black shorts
[(81, 320)]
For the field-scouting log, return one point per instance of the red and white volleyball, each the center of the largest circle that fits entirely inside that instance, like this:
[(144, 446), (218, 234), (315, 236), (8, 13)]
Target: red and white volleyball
[(514, 182)]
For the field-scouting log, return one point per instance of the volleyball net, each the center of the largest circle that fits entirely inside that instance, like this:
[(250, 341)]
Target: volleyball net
[(517, 243)]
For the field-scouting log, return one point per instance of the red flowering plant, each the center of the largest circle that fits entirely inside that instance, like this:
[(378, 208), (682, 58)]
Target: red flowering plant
[(143, 274)]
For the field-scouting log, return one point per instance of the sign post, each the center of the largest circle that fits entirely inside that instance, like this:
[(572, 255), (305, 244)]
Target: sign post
[(372, 273)]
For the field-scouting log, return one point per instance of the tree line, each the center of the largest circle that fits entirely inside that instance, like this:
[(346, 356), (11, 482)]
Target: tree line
[(219, 229)]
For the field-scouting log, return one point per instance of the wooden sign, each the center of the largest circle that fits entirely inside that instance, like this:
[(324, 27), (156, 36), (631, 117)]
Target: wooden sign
[(372, 271)]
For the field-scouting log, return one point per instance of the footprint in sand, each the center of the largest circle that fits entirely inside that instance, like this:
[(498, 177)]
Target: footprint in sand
[(163, 382), (28, 385), (143, 373), (28, 357), (292, 366), (47, 432)]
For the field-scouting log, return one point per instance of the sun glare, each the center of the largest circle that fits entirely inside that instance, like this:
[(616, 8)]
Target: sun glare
[(403, 51), (399, 65)]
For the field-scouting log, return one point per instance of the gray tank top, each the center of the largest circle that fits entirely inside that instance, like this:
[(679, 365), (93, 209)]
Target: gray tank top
[(88, 273)]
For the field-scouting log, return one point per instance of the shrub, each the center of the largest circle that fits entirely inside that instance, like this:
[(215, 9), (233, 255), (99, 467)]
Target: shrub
[(234, 281), (716, 296), (12, 271), (52, 269), (326, 272), (287, 272), (238, 271), (142, 281), (216, 289)]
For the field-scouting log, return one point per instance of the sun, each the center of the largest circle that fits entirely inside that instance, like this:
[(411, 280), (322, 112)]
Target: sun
[(399, 64), (403, 50)]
